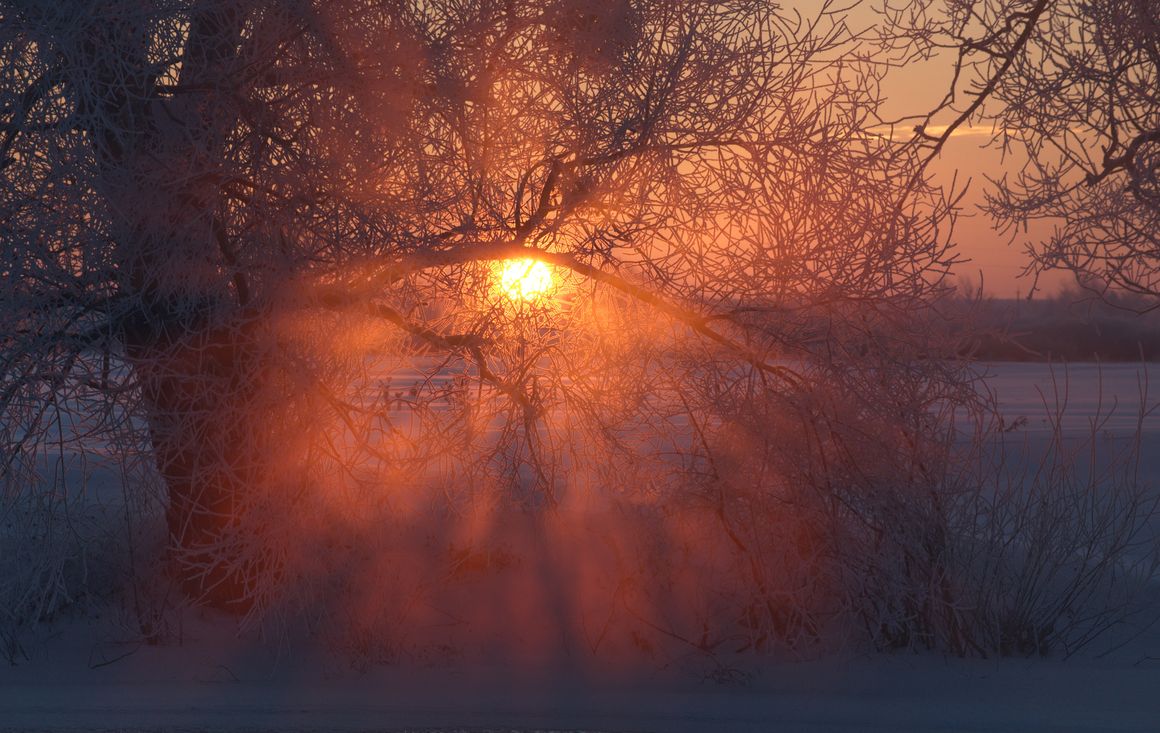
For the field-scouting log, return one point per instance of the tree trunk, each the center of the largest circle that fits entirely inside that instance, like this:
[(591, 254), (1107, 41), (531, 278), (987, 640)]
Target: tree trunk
[(198, 377), (208, 439)]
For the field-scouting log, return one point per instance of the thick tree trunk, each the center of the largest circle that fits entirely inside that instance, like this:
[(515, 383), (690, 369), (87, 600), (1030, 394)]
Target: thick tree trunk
[(200, 391), (159, 156)]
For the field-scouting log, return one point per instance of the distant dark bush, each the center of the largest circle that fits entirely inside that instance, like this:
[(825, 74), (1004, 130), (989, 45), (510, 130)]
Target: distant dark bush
[(1062, 328)]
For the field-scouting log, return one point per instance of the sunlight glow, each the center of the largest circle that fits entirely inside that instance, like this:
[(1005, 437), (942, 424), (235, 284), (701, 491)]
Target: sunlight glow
[(524, 279)]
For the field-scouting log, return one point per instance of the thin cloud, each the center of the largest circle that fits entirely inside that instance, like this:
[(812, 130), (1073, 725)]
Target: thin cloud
[(902, 132)]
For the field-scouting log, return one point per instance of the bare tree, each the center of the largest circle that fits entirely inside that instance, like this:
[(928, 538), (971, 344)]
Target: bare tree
[(257, 247), (1071, 89)]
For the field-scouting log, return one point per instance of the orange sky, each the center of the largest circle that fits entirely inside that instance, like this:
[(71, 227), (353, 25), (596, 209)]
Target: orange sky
[(1000, 261), (993, 254)]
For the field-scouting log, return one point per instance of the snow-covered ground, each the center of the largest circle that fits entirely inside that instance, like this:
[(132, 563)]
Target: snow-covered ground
[(90, 674), (208, 684)]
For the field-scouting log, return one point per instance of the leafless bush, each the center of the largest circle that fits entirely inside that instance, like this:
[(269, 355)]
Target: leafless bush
[(1057, 539), (835, 508), (855, 516)]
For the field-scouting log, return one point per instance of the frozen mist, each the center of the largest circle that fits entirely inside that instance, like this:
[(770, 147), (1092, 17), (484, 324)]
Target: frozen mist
[(86, 673)]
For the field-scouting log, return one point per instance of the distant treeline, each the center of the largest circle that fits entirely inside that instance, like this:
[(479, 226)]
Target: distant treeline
[(1068, 327)]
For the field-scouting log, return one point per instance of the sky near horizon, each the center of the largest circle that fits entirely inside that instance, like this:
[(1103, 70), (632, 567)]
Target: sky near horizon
[(999, 258)]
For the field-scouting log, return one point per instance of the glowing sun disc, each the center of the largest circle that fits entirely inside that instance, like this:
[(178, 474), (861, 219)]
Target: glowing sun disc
[(524, 279)]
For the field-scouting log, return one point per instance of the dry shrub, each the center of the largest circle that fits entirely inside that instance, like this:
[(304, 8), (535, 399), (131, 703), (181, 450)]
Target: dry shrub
[(869, 516), (1057, 541)]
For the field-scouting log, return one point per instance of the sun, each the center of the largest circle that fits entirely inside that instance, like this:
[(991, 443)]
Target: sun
[(524, 279)]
